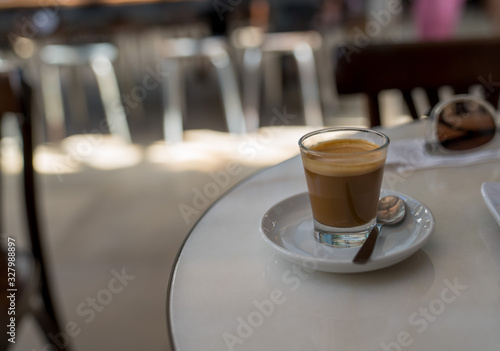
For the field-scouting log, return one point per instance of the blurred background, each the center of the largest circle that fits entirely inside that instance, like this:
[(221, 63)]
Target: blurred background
[(140, 106)]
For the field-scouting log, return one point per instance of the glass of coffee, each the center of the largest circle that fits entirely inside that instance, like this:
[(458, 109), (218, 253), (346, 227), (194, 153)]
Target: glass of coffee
[(344, 169)]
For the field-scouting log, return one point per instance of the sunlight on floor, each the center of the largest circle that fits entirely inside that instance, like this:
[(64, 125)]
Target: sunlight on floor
[(185, 156), (51, 159), (201, 150), (12, 161), (102, 151), (206, 150)]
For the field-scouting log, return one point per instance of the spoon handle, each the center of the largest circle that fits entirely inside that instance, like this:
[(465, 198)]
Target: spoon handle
[(366, 249)]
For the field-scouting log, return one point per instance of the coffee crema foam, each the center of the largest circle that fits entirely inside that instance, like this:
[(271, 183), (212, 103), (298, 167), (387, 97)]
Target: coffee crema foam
[(345, 157)]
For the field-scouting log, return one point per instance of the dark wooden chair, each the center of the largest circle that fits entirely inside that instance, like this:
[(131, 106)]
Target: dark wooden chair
[(458, 64), (32, 284)]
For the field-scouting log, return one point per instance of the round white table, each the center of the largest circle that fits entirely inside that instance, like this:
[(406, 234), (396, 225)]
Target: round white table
[(230, 290)]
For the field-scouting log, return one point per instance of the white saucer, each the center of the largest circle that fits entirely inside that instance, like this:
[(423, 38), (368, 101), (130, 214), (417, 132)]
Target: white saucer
[(288, 228), (491, 196)]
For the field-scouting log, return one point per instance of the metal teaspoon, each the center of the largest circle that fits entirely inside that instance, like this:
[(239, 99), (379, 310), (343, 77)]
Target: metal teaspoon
[(391, 210)]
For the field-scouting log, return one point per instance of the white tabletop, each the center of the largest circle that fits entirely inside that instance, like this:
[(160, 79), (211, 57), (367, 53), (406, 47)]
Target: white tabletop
[(231, 291)]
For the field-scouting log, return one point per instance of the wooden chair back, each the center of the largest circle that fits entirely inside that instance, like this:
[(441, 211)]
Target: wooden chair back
[(458, 64)]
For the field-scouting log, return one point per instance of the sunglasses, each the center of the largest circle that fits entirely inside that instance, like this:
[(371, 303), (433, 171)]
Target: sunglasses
[(460, 124)]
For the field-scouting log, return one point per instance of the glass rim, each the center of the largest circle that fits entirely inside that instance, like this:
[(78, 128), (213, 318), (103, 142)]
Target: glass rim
[(339, 129)]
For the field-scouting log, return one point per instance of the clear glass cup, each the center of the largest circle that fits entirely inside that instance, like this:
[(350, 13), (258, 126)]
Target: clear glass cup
[(344, 169)]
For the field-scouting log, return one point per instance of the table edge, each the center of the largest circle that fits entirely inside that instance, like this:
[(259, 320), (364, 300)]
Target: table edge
[(181, 248)]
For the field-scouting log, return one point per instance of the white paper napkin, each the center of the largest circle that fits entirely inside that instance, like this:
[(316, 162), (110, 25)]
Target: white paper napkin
[(410, 154)]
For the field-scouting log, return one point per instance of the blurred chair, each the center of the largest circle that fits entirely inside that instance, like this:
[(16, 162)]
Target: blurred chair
[(261, 52), (100, 58), (33, 295), (459, 64), (173, 52)]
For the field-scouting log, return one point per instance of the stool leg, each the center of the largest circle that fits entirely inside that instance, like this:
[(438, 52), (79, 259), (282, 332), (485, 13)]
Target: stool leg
[(78, 107), (53, 102), (252, 59), (309, 85), (110, 94), (172, 101), (230, 93), (273, 80)]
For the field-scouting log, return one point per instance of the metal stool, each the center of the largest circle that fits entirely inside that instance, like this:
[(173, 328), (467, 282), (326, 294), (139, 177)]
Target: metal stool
[(99, 57), (301, 45), (173, 51)]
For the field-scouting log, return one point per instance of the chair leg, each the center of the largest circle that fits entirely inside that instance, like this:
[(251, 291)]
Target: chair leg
[(411, 104), (53, 102), (273, 79), (230, 93), (111, 99), (493, 97), (374, 110), (252, 60), (433, 96), (78, 107), (309, 85), (172, 101)]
